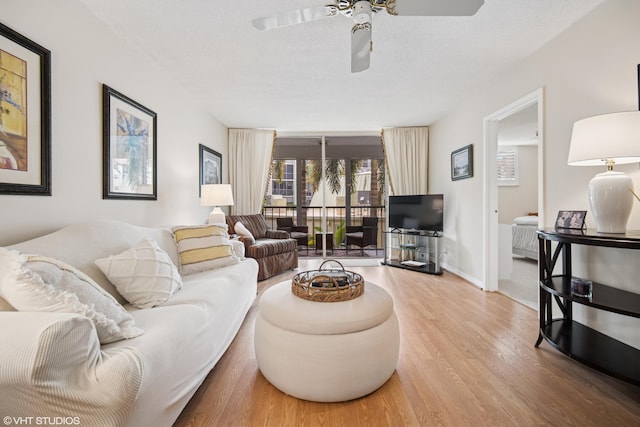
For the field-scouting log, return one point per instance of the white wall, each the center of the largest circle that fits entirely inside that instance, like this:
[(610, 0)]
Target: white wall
[(590, 69), (86, 54)]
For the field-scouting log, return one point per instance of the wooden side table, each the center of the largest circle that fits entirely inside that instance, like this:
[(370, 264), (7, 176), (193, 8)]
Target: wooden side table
[(328, 242)]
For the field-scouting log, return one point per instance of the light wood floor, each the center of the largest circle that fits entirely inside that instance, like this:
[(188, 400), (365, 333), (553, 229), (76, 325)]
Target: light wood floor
[(467, 358)]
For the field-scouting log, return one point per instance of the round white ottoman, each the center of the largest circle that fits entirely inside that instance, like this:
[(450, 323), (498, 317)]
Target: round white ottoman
[(326, 351)]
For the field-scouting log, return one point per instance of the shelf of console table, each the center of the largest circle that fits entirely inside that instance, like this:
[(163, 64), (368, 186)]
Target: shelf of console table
[(574, 339)]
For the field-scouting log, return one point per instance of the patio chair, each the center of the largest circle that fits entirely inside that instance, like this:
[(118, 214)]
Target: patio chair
[(298, 232), (363, 235)]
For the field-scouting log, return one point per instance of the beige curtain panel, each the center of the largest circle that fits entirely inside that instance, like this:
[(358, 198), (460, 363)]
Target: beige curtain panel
[(406, 152), (250, 152)]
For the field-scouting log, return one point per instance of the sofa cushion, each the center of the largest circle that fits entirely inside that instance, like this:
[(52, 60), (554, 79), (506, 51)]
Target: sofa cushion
[(204, 247), (40, 283), (143, 274), (256, 224), (268, 247)]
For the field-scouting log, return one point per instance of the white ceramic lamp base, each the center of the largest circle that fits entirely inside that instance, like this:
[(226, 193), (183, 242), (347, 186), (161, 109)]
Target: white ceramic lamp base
[(217, 216), (611, 201)]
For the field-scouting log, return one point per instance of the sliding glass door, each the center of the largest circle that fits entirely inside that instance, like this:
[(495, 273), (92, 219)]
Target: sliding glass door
[(328, 185)]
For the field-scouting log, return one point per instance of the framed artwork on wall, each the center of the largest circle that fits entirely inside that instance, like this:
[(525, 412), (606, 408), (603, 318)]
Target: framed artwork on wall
[(210, 167), (129, 148), (462, 163), (25, 115)]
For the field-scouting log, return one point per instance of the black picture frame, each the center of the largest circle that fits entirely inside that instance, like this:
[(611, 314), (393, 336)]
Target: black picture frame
[(462, 163), (129, 148), (25, 157), (570, 220), (210, 167)]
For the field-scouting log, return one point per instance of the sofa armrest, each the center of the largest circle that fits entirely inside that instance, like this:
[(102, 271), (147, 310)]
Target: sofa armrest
[(300, 229), (277, 234), (54, 366), (238, 248), (353, 228)]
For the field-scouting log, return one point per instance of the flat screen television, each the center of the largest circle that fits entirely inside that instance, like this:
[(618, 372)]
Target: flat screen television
[(422, 212)]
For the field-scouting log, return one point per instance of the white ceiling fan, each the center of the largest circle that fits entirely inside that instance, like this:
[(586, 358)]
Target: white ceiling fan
[(361, 11)]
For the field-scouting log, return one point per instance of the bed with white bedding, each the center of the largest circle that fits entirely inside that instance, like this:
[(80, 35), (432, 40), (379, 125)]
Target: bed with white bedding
[(524, 240)]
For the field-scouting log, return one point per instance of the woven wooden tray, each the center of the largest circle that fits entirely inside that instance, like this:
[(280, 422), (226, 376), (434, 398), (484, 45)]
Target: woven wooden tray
[(327, 285)]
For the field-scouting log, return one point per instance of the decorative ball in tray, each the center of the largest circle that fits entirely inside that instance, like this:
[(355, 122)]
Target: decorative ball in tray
[(327, 284)]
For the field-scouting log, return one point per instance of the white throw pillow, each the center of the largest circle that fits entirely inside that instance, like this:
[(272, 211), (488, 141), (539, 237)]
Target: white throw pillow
[(241, 230), (203, 247), (143, 274), (39, 283)]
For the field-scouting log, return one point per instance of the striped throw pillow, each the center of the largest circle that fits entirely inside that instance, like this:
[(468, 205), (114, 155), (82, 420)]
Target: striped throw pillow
[(203, 248)]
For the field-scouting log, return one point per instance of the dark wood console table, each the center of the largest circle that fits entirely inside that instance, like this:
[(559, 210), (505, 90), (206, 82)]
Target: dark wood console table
[(574, 339)]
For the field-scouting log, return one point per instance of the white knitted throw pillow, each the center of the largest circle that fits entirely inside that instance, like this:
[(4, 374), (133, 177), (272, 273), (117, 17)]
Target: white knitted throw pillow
[(143, 274)]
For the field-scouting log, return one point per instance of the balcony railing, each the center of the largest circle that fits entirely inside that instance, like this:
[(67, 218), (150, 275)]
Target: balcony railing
[(311, 216)]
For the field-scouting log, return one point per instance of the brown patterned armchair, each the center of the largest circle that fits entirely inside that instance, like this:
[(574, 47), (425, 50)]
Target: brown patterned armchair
[(274, 251)]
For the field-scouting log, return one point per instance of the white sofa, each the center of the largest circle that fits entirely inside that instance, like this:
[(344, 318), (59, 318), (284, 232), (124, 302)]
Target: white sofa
[(52, 364)]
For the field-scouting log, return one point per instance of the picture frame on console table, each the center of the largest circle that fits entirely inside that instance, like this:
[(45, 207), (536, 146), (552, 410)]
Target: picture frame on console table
[(129, 148), (25, 115), (210, 167), (462, 163), (570, 220)]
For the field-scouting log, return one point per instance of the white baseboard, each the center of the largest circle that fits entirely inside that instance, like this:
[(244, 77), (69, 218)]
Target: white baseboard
[(465, 276)]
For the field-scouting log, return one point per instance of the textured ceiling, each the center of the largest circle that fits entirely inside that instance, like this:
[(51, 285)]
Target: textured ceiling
[(297, 79)]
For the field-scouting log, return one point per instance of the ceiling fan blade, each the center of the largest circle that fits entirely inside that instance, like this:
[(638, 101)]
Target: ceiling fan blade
[(360, 47), (294, 17), (435, 7)]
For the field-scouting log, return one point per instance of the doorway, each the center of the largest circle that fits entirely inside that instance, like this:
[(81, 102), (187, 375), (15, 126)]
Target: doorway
[(516, 133)]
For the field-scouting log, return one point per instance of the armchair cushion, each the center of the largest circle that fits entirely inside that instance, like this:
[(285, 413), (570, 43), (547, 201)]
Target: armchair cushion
[(276, 234), (264, 247)]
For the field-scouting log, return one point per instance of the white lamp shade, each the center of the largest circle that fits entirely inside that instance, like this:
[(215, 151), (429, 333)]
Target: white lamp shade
[(216, 195), (596, 140)]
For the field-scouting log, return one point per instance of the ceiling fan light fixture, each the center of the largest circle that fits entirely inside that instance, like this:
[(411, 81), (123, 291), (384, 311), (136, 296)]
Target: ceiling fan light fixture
[(362, 12)]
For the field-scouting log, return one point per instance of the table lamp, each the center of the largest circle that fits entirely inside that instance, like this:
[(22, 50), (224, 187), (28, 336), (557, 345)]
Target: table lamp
[(608, 139), (216, 195)]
